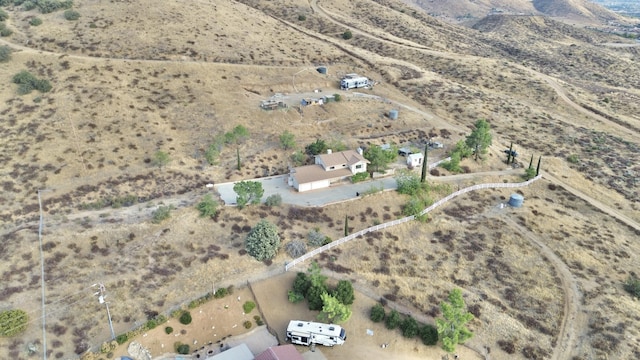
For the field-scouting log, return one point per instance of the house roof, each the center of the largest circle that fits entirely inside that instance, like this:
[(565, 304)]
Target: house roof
[(348, 157), (284, 352), (310, 173), (416, 156), (240, 352)]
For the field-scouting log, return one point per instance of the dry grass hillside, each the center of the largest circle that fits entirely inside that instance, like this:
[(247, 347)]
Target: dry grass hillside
[(131, 78)]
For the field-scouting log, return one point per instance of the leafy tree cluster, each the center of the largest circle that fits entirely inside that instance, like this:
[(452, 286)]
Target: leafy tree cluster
[(476, 143), (13, 322), (409, 326), (237, 136), (379, 158), (263, 241), (332, 302), (410, 183), (287, 140), (49, 6), (320, 147), (248, 192), (27, 82), (452, 328)]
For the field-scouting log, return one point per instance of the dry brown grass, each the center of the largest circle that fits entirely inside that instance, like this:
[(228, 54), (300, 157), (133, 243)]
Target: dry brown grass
[(204, 71)]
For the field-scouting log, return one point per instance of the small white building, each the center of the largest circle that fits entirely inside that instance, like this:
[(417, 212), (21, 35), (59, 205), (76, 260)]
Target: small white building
[(415, 160)]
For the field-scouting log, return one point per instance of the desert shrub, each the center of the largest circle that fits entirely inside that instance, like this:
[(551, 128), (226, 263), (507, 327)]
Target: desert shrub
[(507, 346), (182, 349), (247, 324), (413, 207), (377, 313), (273, 200), (338, 97), (35, 21), (429, 334), (151, 324), (359, 177), (317, 239), (220, 293), (408, 183), (122, 338), (208, 206), (258, 320), (295, 248), (71, 15), (49, 6), (409, 327), (301, 17), (248, 306), (347, 35), (5, 53), (168, 330), (27, 82), (161, 214), (6, 32), (3, 15), (185, 318), (573, 158), (230, 289), (632, 286), (13, 322), (29, 5), (393, 320)]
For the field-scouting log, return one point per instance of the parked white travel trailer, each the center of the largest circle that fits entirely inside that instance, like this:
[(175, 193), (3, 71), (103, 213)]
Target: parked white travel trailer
[(307, 333), (354, 81)]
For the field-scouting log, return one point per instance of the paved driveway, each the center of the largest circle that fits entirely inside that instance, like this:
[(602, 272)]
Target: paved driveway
[(278, 185)]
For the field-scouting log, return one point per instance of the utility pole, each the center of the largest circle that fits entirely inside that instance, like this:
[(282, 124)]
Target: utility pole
[(101, 299), (44, 315)]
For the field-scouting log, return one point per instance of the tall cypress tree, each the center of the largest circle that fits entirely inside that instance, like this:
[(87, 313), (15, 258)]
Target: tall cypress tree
[(509, 158), (538, 167), (424, 163), (346, 225), (531, 162)]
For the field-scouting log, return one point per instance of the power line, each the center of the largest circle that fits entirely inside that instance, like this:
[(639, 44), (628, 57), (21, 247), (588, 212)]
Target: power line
[(44, 330), (101, 299)]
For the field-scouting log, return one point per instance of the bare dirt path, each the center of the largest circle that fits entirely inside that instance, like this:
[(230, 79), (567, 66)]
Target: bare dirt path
[(573, 322)]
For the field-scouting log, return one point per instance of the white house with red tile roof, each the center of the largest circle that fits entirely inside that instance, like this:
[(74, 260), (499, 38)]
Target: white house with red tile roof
[(328, 168)]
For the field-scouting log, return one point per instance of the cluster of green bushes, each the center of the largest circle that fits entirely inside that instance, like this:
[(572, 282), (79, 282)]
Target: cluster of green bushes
[(409, 326), (238, 135), (150, 324), (114, 202), (27, 83), (316, 238), (632, 286), (359, 177), (248, 306), (332, 302), (5, 53), (409, 184), (161, 214)]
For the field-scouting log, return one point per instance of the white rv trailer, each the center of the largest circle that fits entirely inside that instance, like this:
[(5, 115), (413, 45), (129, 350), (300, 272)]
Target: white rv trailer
[(307, 333), (354, 81)]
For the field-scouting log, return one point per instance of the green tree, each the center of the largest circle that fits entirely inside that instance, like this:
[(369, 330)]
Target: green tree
[(5, 53), (347, 35), (346, 225), (71, 15), (3, 15), (238, 135), (239, 166), (298, 158), (212, 154), (379, 158), (538, 167), (35, 21), (263, 241), (314, 297), (377, 313), (452, 328), (333, 310), (287, 140), (344, 292), (301, 284), (413, 207), (480, 138), (273, 200), (529, 173), (423, 176), (316, 148), (161, 159), (248, 192), (185, 318), (13, 322), (462, 149), (208, 206), (161, 214), (453, 164)]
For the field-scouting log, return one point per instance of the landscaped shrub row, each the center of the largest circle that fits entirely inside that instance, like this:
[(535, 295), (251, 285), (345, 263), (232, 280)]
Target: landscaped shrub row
[(407, 324)]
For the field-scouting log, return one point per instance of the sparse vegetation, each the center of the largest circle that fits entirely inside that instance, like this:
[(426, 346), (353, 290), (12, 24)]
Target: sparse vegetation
[(632, 286), (71, 15), (161, 214), (273, 200), (27, 83), (287, 140), (295, 248), (5, 53), (161, 159), (35, 21), (208, 207), (13, 322)]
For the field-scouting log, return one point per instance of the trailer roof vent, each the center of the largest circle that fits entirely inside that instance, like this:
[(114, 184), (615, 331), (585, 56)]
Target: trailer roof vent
[(300, 325), (331, 328)]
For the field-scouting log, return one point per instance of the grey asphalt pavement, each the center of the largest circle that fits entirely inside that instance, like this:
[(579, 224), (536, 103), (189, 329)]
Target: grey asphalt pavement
[(339, 192)]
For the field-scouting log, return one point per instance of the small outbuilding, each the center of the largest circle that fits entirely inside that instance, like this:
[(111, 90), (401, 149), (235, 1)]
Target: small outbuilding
[(415, 160)]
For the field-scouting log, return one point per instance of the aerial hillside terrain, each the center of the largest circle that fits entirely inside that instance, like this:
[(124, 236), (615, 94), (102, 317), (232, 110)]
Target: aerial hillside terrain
[(140, 91)]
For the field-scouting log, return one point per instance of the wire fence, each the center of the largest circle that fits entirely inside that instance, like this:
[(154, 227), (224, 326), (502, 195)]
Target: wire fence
[(438, 203)]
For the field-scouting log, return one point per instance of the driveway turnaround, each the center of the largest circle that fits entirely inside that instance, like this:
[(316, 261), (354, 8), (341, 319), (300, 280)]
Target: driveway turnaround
[(339, 192)]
